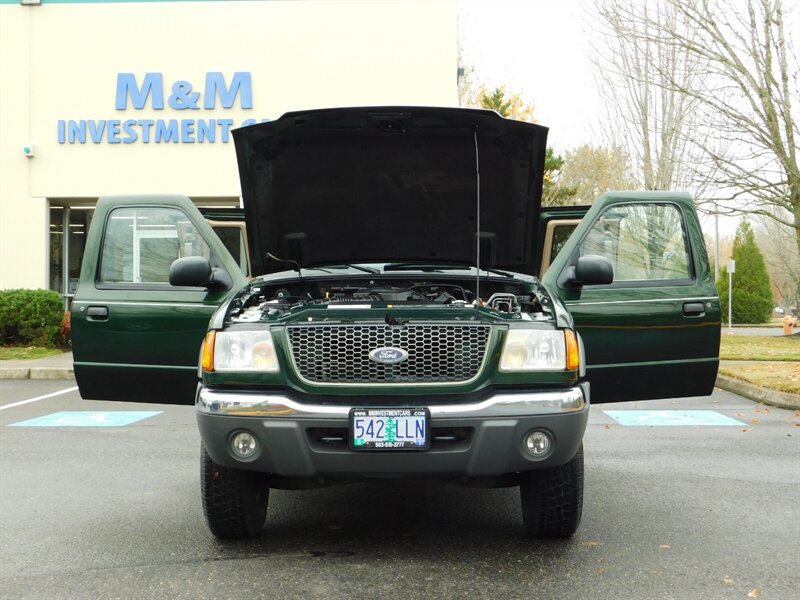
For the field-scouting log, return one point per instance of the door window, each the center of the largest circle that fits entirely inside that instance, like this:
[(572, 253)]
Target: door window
[(234, 238), (556, 235), (644, 242), (140, 244)]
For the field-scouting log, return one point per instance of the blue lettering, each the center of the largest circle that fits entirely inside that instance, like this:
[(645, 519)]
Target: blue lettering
[(187, 131), (225, 125), (420, 429), (96, 129), (76, 130), (206, 130), (113, 131), (130, 133), (146, 125), (182, 96), (240, 84), (166, 131), (61, 128), (247, 122), (126, 86)]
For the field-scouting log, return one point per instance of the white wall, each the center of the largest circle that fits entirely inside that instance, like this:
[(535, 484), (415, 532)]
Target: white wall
[(61, 61)]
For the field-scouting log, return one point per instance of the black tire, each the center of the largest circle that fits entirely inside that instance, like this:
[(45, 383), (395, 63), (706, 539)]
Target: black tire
[(552, 499), (234, 501)]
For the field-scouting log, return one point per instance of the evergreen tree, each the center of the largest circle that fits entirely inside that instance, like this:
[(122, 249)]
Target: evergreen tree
[(752, 293)]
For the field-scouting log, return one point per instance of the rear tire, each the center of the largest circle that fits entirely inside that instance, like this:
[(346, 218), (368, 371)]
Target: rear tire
[(552, 499), (234, 501)]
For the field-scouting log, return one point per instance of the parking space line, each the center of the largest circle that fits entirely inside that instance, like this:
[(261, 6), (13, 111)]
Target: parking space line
[(29, 400)]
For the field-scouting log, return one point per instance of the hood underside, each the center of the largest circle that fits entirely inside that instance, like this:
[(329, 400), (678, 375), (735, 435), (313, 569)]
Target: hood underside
[(391, 184)]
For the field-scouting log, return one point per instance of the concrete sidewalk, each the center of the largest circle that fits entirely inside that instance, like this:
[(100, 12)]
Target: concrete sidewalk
[(60, 367)]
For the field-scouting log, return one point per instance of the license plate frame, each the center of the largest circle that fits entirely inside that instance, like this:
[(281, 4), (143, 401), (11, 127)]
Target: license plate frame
[(404, 417)]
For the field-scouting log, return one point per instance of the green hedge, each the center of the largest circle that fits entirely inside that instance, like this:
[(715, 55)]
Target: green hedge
[(31, 317)]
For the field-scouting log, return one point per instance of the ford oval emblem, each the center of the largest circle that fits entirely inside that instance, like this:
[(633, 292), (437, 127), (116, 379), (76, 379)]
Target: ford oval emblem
[(388, 356)]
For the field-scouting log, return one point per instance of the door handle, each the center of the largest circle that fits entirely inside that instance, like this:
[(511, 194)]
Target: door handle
[(97, 313), (693, 309)]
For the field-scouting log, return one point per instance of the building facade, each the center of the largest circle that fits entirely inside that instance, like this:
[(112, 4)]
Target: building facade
[(139, 96)]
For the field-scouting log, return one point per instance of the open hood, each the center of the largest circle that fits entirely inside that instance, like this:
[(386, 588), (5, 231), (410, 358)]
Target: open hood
[(391, 184)]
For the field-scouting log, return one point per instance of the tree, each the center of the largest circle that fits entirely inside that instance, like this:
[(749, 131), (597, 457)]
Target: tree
[(752, 295), (648, 119), (740, 79), (511, 106), (593, 170), (782, 259)]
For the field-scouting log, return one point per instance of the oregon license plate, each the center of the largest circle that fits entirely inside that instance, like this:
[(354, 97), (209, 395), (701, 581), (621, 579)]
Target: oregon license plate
[(389, 428)]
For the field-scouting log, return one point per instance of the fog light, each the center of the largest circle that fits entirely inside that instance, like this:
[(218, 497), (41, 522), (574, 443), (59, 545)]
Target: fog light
[(243, 444), (538, 443)]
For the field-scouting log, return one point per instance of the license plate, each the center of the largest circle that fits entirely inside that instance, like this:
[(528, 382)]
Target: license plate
[(389, 428)]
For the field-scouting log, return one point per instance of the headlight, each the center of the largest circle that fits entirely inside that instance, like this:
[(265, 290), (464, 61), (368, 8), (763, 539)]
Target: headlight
[(534, 350), (244, 351)]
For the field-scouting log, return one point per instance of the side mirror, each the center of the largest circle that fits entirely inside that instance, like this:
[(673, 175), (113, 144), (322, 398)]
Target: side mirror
[(593, 270), (192, 271), (196, 271)]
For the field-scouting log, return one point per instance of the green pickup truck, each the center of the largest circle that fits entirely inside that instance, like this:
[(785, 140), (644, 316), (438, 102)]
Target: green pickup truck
[(414, 312)]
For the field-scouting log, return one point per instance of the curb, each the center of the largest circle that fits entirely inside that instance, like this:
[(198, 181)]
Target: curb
[(759, 394), (36, 373)]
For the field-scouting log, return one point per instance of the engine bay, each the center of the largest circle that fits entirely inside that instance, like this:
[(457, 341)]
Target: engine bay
[(274, 298)]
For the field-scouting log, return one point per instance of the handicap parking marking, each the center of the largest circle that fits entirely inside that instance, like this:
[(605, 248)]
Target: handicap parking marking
[(86, 418), (670, 418)]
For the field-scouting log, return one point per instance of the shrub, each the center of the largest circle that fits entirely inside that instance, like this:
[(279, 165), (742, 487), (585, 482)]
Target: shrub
[(65, 334), (31, 317)]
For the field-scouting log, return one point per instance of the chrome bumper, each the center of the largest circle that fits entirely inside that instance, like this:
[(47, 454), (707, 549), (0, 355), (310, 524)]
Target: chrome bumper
[(502, 404)]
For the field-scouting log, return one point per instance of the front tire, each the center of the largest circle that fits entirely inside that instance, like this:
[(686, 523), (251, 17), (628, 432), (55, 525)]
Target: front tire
[(552, 499), (234, 501)]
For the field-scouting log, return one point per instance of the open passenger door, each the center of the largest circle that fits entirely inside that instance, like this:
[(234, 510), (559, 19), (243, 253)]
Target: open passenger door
[(136, 337), (654, 331)]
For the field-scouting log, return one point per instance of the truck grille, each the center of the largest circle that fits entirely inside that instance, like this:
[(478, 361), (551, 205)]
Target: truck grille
[(436, 353)]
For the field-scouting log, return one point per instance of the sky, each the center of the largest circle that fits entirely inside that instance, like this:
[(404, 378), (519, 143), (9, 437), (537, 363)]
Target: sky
[(540, 49)]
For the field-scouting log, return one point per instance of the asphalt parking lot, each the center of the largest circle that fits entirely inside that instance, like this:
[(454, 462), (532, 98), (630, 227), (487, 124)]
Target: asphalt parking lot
[(105, 510)]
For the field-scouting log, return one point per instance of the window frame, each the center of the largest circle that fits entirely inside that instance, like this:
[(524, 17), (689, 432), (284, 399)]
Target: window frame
[(644, 283), (149, 286)]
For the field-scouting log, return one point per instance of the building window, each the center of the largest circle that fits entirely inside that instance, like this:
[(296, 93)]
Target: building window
[(57, 244), (68, 227)]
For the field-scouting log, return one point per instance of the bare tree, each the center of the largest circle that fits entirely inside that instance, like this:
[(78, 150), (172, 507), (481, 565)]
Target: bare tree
[(647, 117), (748, 91), (738, 76), (782, 259)]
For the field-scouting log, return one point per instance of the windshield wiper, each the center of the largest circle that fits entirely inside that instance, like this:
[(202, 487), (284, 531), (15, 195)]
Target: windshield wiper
[(428, 267), (362, 268)]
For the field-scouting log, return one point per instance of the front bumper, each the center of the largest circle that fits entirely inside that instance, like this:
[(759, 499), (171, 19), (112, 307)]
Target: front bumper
[(471, 440)]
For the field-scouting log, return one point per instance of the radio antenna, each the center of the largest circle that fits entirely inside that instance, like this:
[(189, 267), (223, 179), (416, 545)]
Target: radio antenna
[(478, 224)]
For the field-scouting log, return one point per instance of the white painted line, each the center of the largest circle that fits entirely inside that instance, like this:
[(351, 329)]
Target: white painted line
[(29, 400)]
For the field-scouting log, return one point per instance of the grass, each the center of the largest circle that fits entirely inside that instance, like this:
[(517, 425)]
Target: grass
[(782, 376), (751, 347), (774, 322), (22, 352)]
